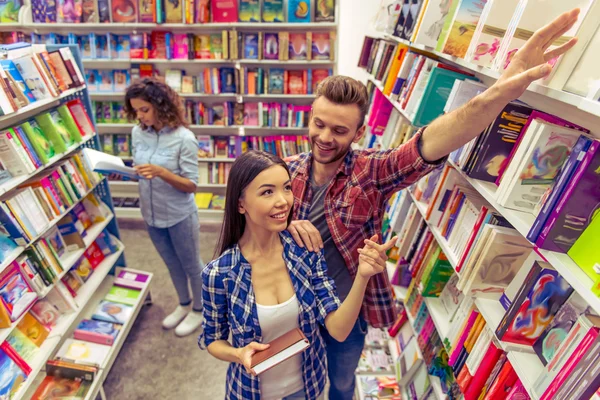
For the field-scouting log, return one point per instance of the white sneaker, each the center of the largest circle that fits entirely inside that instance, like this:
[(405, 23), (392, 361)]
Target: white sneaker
[(191, 322), (173, 319)]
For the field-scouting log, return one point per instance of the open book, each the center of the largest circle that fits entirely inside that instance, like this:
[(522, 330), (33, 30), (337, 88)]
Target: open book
[(108, 164), (285, 346)]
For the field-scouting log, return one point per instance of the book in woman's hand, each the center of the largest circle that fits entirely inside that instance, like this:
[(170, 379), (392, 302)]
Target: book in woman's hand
[(285, 346)]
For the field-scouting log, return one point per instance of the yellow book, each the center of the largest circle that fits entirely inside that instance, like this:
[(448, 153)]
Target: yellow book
[(401, 51), (203, 200), (474, 334)]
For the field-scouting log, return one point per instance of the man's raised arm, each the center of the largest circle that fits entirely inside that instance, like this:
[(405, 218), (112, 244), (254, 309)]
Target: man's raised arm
[(453, 130)]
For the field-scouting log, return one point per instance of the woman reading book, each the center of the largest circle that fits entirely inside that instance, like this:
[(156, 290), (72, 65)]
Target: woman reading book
[(264, 285), (165, 154)]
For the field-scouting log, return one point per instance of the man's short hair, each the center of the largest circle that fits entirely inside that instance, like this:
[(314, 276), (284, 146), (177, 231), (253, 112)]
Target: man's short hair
[(340, 89)]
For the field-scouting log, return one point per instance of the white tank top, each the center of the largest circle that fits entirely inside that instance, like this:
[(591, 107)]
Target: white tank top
[(286, 378)]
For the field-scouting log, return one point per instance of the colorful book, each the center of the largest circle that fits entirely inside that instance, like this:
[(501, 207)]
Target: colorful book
[(325, 11), (123, 295), (249, 11), (272, 11), (299, 11), (15, 293), (81, 352), (113, 312), (124, 10), (97, 331)]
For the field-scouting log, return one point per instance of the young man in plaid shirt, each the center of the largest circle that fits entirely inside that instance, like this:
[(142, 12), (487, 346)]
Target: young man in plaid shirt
[(340, 194)]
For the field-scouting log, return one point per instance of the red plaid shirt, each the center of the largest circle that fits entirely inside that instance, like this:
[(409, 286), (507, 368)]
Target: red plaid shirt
[(354, 207)]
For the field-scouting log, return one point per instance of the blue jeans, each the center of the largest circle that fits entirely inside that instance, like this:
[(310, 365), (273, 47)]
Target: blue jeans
[(179, 247), (342, 360)]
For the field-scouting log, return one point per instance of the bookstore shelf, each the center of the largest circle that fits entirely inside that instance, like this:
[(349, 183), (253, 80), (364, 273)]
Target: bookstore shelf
[(17, 180), (436, 233), (489, 76), (35, 108), (71, 258), (64, 327), (66, 264), (399, 291), (213, 130), (206, 215), (52, 223), (129, 27), (435, 383), (279, 96), (438, 315), (121, 95), (396, 105), (113, 62)]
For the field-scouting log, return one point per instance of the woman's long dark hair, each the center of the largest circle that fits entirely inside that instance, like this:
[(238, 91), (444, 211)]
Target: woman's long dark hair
[(166, 102), (243, 171)]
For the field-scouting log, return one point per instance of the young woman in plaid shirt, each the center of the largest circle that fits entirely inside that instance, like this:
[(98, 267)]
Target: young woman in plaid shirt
[(264, 284)]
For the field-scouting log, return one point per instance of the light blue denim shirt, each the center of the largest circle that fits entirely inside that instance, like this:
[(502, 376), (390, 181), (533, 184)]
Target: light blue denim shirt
[(177, 150)]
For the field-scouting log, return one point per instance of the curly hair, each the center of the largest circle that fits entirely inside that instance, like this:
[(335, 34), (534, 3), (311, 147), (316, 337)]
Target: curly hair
[(166, 102)]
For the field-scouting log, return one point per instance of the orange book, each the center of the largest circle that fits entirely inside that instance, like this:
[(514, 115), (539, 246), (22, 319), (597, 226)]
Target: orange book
[(394, 68), (32, 328)]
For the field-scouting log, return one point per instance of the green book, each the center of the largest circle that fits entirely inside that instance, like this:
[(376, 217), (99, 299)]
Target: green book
[(435, 95), (70, 123), (51, 132), (41, 144), (61, 127), (118, 294), (447, 24), (585, 252)]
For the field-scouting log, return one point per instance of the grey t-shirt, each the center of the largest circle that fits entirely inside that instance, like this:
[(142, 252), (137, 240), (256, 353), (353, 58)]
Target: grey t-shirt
[(336, 265)]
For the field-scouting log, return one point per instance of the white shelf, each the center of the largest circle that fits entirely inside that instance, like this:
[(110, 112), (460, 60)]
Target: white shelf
[(206, 215), (279, 96), (438, 315), (442, 242), (130, 27), (216, 159), (60, 332), (17, 180), (35, 108), (121, 95), (111, 62), (212, 130), (17, 252)]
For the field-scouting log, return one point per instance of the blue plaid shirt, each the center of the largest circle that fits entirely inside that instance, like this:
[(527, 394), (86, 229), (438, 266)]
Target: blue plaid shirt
[(229, 306)]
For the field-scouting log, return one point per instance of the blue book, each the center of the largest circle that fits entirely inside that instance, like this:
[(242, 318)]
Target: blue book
[(251, 46), (298, 11), (20, 134), (567, 171), (113, 312), (10, 225), (11, 69)]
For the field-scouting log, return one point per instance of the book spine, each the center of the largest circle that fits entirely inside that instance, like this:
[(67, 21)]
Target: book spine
[(566, 173), (544, 239)]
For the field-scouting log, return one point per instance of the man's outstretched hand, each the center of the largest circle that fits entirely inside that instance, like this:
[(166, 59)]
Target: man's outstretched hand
[(530, 63)]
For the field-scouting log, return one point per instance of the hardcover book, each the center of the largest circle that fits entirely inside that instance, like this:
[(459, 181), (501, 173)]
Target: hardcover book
[(81, 352), (324, 10)]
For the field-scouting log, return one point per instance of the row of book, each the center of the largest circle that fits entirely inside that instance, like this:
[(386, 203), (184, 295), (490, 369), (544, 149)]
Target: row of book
[(234, 146), (489, 34), (40, 315), (28, 212), (281, 81), (163, 11), (31, 145), (78, 361), (30, 73)]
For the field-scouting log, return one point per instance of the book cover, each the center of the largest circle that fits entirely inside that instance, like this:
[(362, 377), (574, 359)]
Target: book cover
[(81, 352), (69, 11), (463, 27), (123, 295), (147, 11), (113, 312), (45, 312), (546, 294), (250, 46), (271, 46), (68, 388), (224, 11), (43, 11), (584, 252), (32, 77), (325, 11), (97, 331), (90, 11), (321, 46), (298, 46), (15, 293), (299, 11), (276, 81), (249, 11), (15, 76), (23, 345), (577, 207), (124, 10), (130, 279), (12, 374), (173, 11), (547, 345), (272, 11)]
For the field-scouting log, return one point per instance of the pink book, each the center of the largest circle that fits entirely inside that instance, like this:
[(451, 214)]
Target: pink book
[(459, 345), (180, 46), (553, 119), (224, 10), (518, 392), (588, 348), (483, 371)]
